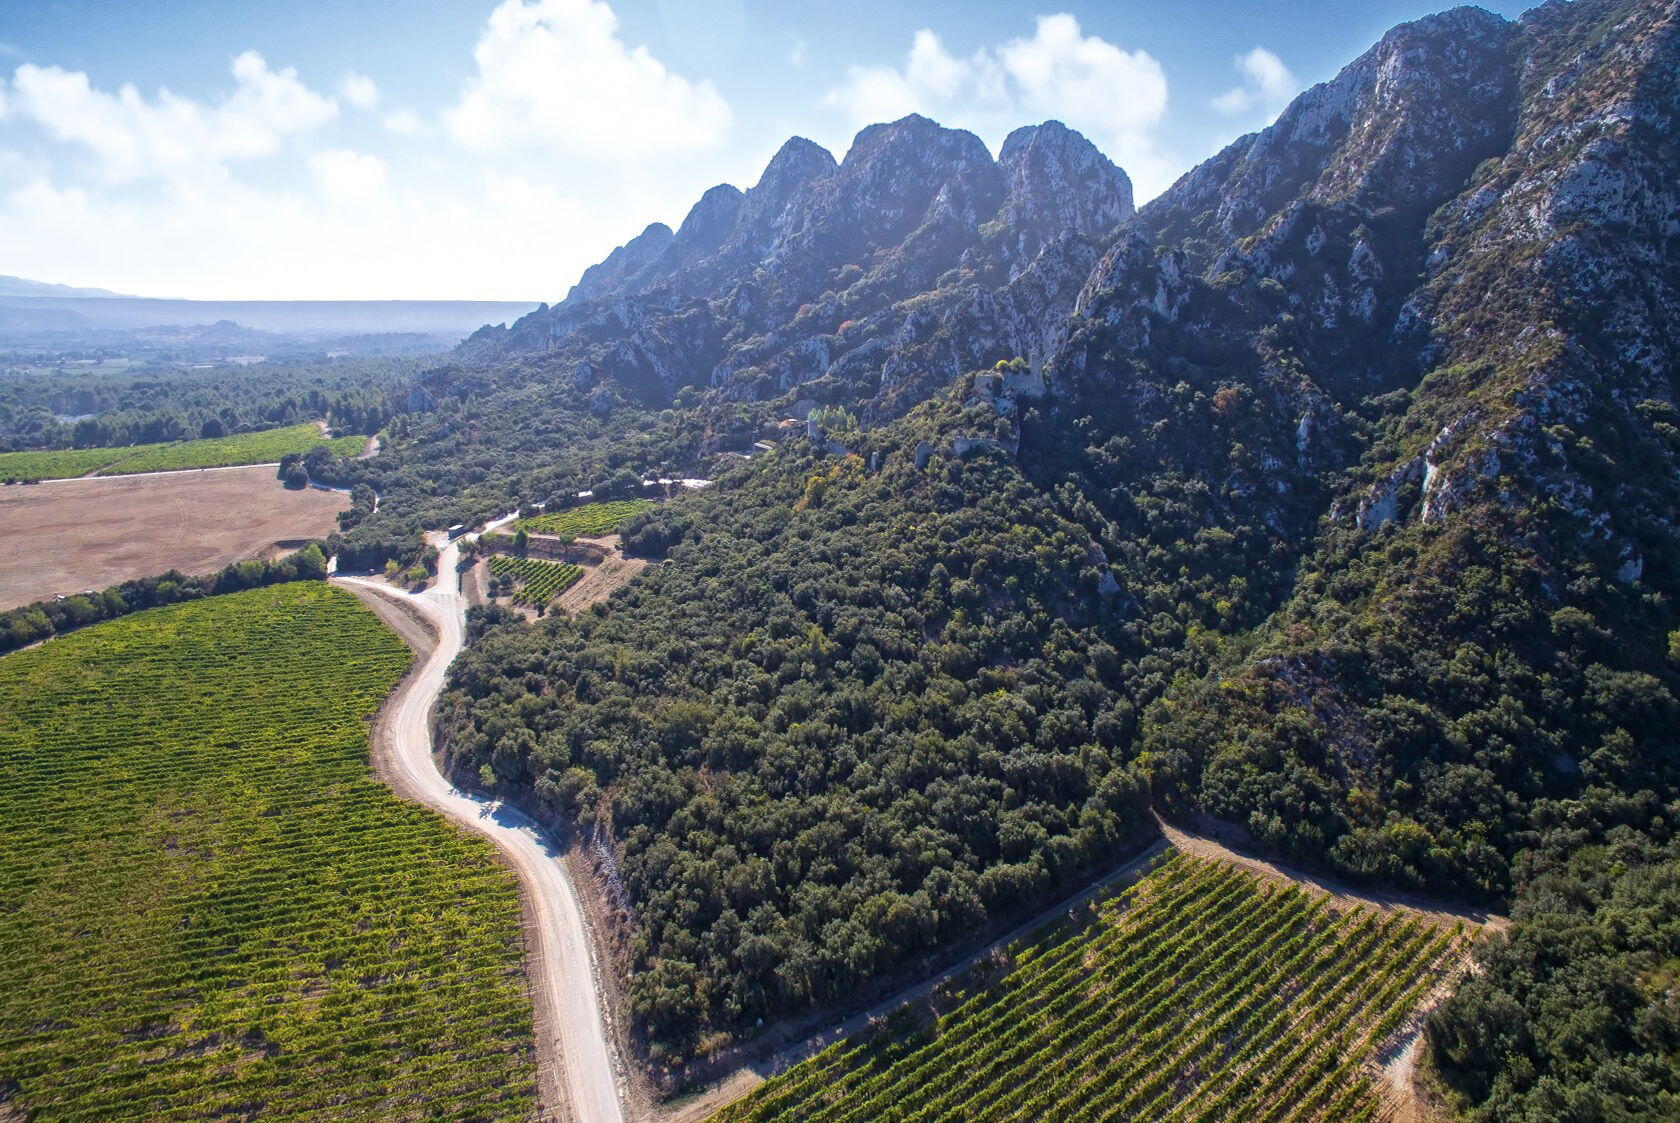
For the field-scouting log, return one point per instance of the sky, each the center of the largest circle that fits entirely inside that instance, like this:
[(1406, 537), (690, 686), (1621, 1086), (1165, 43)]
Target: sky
[(493, 149)]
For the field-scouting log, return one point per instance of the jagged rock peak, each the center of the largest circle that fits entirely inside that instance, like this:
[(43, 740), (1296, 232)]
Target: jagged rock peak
[(917, 137), (1051, 135), (623, 263), (769, 206), (1400, 125), (1059, 180), (796, 163), (711, 219)]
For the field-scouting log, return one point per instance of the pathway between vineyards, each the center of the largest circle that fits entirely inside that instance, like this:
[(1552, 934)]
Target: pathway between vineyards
[(571, 1035)]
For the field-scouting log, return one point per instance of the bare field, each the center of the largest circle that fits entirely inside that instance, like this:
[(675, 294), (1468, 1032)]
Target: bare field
[(72, 535)]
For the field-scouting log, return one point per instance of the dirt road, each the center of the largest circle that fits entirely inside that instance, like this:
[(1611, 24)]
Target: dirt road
[(572, 1037)]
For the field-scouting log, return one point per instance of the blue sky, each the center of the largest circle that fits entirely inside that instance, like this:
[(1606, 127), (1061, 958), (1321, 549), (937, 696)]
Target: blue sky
[(484, 149)]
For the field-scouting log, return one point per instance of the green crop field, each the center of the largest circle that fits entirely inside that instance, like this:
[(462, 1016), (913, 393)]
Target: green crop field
[(539, 581), (216, 452), (225, 452), (58, 464), (1201, 993), (586, 521), (211, 909)]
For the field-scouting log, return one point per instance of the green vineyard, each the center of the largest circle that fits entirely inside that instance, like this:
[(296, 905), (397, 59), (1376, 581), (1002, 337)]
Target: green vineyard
[(209, 906), (582, 522), (539, 581), (216, 452), (57, 464), (1201, 993)]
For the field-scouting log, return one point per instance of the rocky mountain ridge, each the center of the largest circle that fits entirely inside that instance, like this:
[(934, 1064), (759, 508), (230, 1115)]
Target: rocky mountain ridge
[(915, 258)]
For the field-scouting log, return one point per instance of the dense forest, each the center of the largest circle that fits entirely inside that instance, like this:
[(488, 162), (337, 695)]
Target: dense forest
[(852, 719), (1577, 1014), (110, 408)]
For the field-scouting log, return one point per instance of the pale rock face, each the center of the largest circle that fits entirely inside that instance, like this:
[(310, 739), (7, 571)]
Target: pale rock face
[(964, 446), (1382, 503), (623, 263), (1056, 183), (914, 259), (1632, 569)]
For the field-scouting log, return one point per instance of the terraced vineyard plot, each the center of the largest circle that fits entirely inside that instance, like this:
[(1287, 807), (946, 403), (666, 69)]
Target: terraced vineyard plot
[(539, 581), (1201, 993), (209, 908), (215, 452), (588, 521)]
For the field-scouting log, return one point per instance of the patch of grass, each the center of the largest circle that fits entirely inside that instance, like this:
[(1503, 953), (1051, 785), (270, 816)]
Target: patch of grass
[(58, 464), (210, 908), (225, 452)]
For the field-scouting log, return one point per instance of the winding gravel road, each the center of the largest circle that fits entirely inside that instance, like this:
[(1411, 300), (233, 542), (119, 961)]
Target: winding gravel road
[(569, 1020)]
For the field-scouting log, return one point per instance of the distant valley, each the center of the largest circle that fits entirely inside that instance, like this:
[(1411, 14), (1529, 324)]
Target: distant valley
[(37, 317)]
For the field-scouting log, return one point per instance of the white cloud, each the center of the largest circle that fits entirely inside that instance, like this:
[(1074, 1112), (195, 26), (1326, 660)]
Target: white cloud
[(352, 233), (404, 122), (1267, 84), (358, 90), (132, 136), (798, 52), (554, 74), (344, 173), (154, 193), (1085, 77), (1116, 97)]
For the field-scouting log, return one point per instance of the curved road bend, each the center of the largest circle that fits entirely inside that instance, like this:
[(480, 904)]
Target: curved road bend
[(564, 985)]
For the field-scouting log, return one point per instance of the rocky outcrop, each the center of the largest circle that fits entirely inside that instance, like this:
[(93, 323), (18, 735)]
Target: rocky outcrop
[(623, 265), (877, 278)]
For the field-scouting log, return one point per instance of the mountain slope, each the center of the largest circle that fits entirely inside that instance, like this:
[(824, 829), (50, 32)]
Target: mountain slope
[(872, 281), (21, 286), (1507, 533), (1354, 453)]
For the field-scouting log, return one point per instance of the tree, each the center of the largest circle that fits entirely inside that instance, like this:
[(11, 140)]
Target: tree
[(292, 472), (621, 483), (312, 563)]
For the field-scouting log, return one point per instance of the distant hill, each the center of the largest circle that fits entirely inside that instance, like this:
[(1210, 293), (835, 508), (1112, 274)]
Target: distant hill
[(26, 320), (287, 317), (22, 286)]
